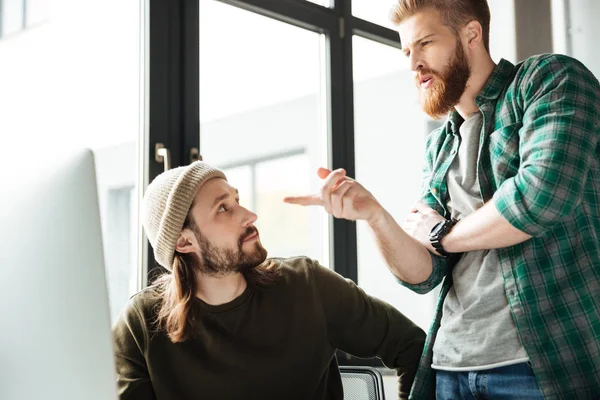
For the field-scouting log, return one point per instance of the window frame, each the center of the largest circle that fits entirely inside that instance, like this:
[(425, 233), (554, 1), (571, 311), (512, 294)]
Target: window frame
[(174, 115)]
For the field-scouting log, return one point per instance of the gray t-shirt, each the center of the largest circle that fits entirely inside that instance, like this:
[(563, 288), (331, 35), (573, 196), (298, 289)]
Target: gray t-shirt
[(477, 330)]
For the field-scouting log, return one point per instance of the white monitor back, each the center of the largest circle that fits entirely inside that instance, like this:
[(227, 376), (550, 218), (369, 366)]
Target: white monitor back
[(55, 340)]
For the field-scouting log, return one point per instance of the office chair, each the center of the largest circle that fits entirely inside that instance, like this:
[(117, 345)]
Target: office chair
[(362, 383)]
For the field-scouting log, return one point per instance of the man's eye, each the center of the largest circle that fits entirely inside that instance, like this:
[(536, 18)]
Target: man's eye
[(425, 43), (222, 208)]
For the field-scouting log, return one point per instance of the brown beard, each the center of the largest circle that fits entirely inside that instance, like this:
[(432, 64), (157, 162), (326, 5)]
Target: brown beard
[(448, 87), (217, 262)]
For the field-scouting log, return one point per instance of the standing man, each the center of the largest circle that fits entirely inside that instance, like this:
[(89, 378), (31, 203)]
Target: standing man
[(517, 164)]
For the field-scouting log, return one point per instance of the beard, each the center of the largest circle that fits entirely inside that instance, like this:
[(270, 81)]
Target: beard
[(448, 87), (216, 261)]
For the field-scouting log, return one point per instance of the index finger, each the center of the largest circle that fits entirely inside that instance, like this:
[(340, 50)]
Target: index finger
[(311, 200), (323, 172)]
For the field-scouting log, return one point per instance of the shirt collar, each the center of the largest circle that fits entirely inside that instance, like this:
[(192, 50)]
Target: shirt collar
[(500, 76), (496, 82)]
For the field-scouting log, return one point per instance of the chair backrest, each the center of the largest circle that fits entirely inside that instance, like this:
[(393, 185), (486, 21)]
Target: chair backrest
[(362, 383)]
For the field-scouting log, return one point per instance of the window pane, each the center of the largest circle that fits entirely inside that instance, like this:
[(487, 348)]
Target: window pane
[(12, 16), (36, 11), (581, 36), (241, 179), (56, 97), (390, 138), (260, 107), (274, 180), (326, 3), (376, 11)]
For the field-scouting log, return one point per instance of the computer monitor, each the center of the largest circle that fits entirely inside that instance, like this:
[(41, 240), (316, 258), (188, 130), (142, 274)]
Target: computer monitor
[(55, 340)]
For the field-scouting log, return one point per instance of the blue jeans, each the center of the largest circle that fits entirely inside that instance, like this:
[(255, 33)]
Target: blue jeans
[(510, 382)]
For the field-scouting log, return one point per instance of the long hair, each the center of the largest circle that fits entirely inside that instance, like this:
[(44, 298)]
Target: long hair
[(177, 290), (456, 13)]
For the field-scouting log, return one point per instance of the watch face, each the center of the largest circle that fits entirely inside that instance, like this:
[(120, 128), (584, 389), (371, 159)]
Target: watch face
[(438, 228)]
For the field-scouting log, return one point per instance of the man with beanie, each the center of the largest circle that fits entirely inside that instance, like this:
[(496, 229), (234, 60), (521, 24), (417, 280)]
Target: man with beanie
[(226, 322)]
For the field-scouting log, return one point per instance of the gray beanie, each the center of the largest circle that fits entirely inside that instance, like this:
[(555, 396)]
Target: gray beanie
[(166, 204)]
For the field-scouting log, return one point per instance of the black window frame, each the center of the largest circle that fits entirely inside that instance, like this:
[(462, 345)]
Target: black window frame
[(174, 114)]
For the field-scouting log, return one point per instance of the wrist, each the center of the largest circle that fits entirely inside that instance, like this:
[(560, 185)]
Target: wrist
[(376, 217), (438, 237), (447, 243)]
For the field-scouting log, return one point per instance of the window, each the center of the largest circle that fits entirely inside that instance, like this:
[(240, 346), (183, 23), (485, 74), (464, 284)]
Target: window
[(376, 11), (390, 139), (12, 16), (36, 12), (326, 3), (57, 97), (576, 29), (117, 179), (16, 15), (120, 244), (261, 118), (262, 184)]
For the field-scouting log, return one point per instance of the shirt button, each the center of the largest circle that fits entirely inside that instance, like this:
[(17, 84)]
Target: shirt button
[(453, 152), (434, 191)]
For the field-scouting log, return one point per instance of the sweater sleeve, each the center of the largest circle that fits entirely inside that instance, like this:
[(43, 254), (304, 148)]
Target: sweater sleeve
[(364, 326), (130, 339)]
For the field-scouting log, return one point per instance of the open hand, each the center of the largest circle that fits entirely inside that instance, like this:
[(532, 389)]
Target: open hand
[(341, 196)]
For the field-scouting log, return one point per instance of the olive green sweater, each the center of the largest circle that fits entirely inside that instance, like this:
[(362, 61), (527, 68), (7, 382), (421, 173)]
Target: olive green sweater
[(275, 342)]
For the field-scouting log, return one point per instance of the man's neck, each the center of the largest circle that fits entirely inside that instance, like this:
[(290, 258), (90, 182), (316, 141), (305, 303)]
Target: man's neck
[(480, 73), (220, 290)]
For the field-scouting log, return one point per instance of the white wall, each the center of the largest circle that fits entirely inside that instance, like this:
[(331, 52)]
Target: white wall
[(503, 38), (584, 31)]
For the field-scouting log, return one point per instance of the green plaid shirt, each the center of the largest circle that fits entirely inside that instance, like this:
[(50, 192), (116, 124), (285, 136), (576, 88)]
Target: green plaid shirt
[(538, 160)]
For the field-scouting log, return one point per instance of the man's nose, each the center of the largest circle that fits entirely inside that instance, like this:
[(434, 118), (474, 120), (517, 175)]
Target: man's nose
[(249, 218), (416, 63)]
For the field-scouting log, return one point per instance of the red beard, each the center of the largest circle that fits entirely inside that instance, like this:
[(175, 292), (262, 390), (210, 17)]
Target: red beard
[(447, 88)]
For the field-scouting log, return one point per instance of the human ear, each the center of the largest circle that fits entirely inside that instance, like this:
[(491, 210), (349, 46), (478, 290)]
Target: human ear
[(186, 243), (474, 33)]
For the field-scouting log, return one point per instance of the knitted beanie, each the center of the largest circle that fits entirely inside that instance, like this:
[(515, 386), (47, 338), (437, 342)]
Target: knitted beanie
[(166, 204)]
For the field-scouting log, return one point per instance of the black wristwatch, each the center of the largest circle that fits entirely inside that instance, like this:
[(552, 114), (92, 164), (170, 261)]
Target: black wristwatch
[(438, 232)]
